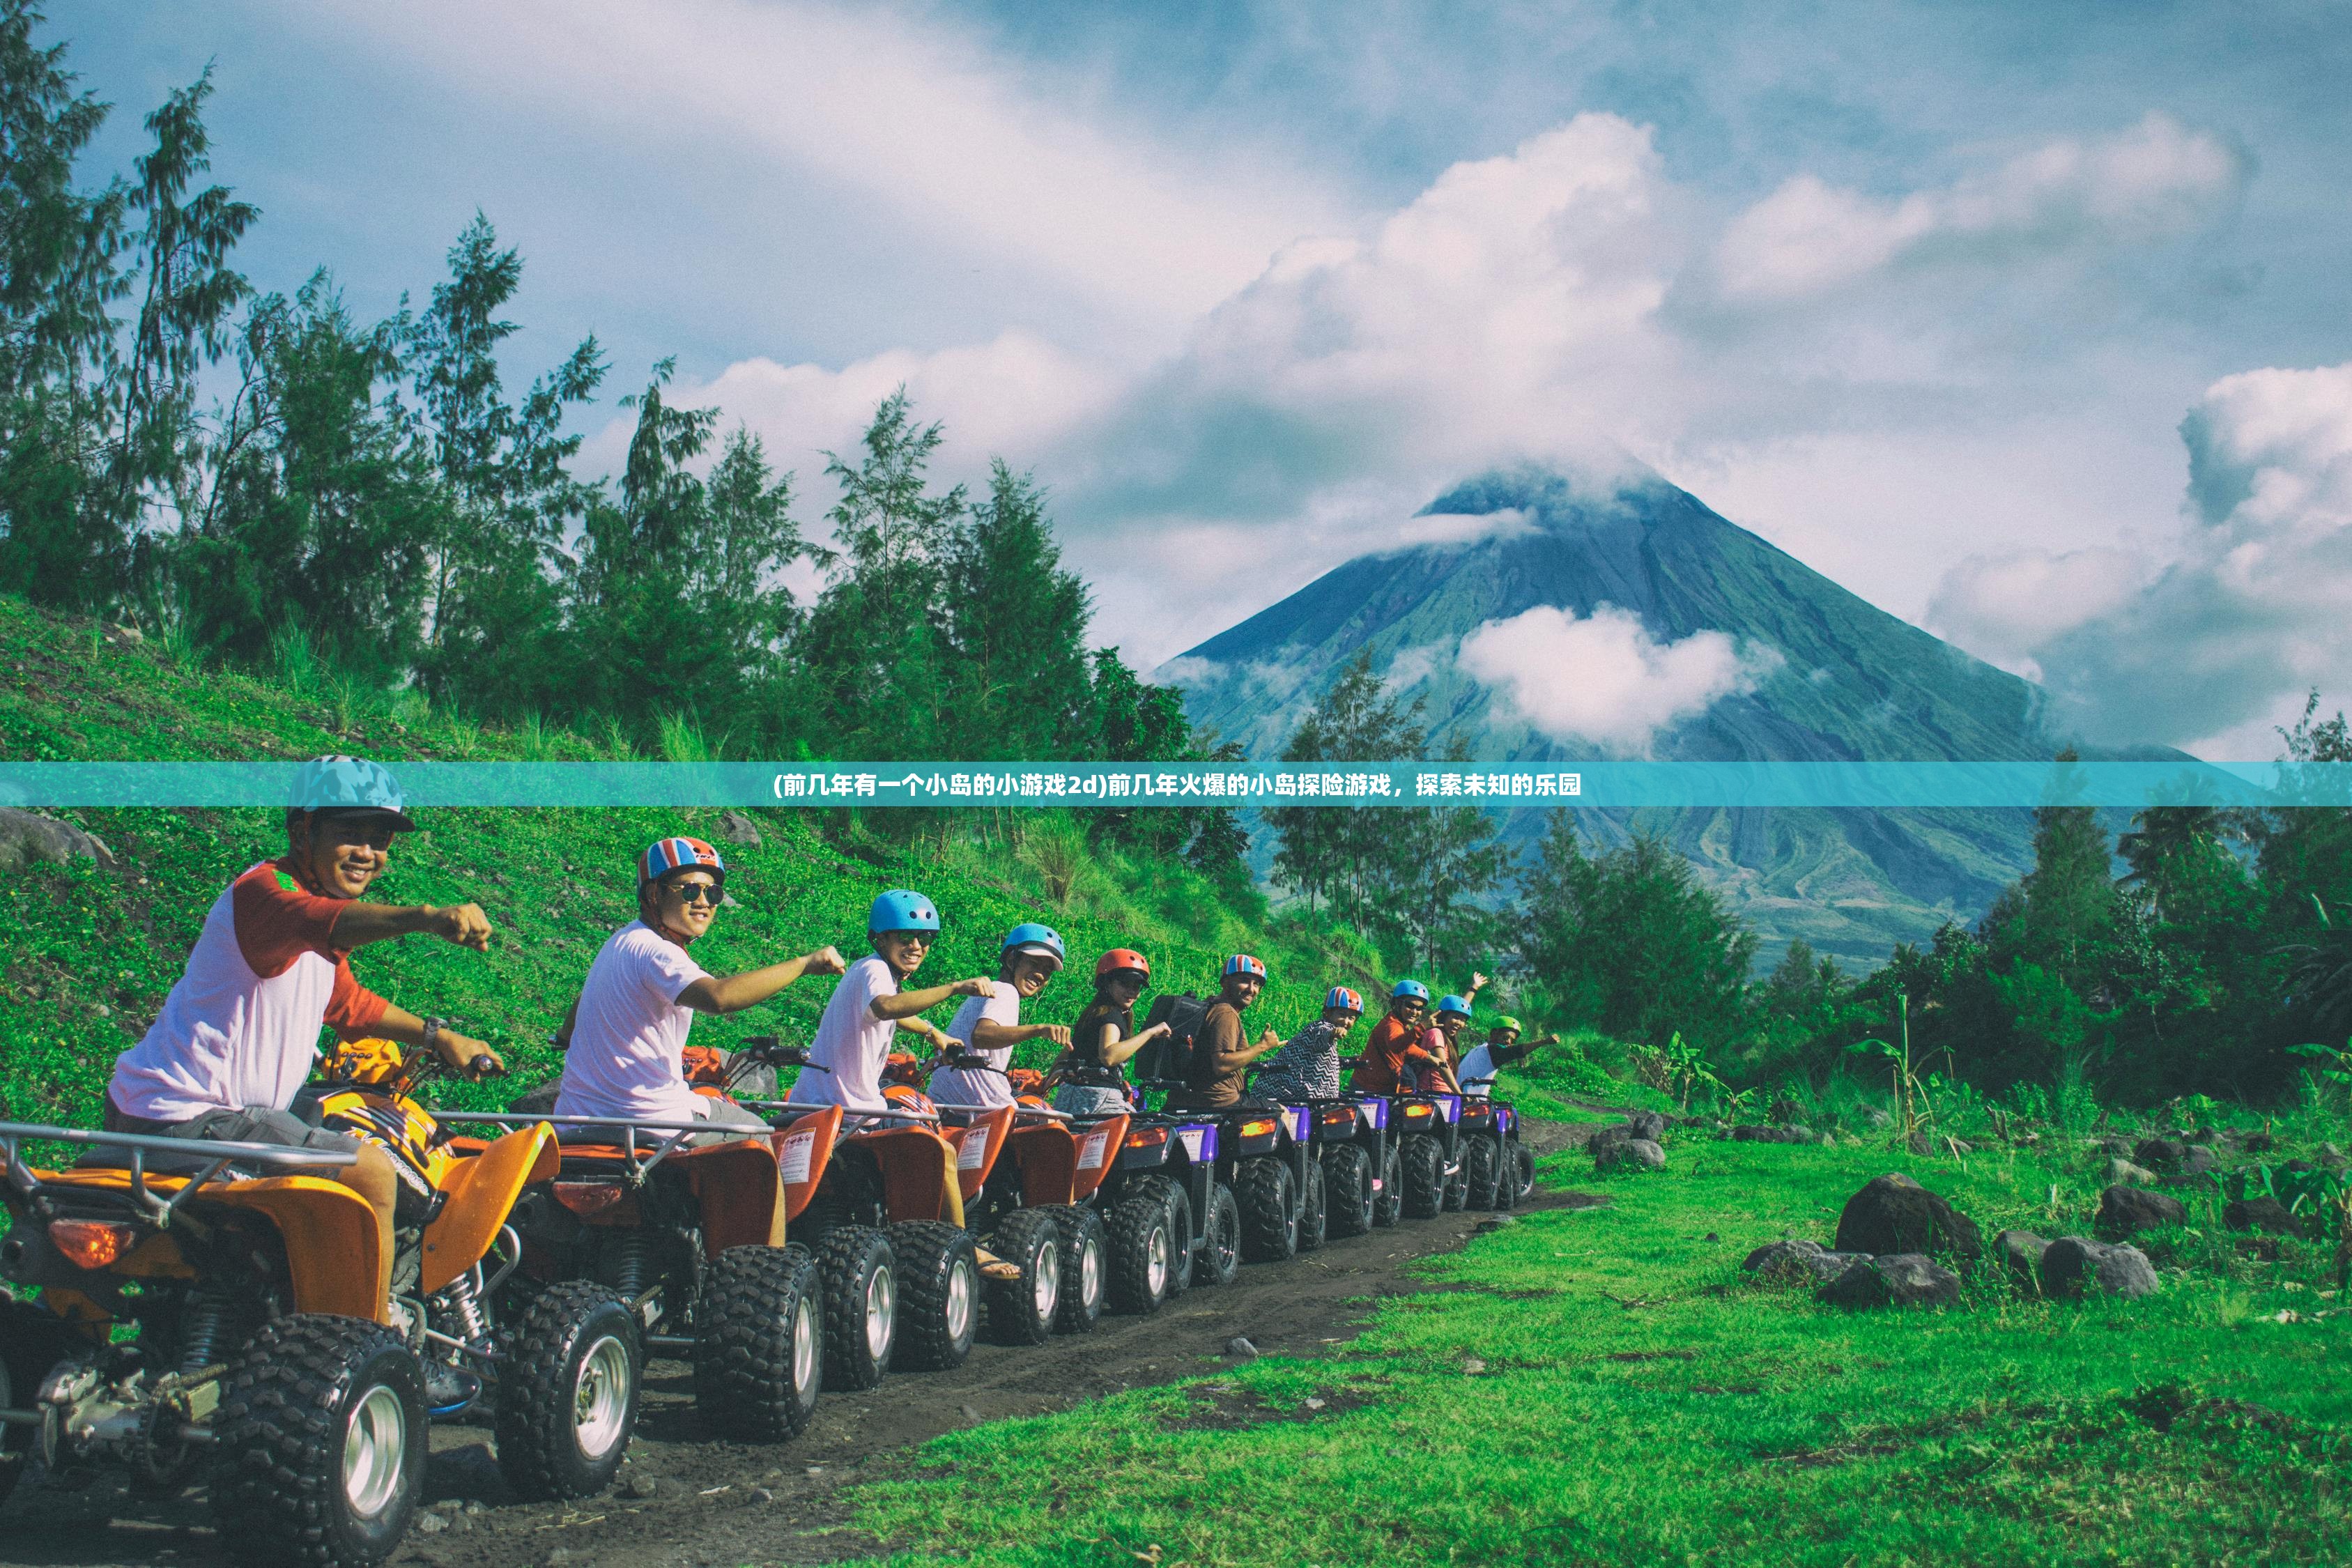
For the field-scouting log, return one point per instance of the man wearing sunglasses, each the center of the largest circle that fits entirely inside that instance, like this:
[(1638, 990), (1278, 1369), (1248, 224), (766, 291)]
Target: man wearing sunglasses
[(271, 968), (624, 1043)]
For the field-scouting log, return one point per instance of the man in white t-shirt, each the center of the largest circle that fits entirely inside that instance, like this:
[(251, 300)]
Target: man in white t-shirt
[(624, 1040), (1029, 957), (1501, 1048), (871, 1005)]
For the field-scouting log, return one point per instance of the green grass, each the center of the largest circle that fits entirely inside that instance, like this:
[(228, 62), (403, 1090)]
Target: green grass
[(1601, 1386)]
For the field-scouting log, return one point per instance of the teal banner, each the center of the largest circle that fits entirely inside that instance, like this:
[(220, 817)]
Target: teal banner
[(1495, 785)]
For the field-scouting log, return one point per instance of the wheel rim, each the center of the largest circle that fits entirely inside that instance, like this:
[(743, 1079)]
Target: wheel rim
[(1155, 1253), (804, 1350), (375, 1451), (881, 1312), (1090, 1272), (960, 1294), (1045, 1284), (600, 1400)]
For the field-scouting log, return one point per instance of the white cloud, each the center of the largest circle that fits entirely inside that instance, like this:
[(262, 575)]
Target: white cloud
[(2001, 608), (1411, 666), (2157, 181), (2258, 608), (1604, 679)]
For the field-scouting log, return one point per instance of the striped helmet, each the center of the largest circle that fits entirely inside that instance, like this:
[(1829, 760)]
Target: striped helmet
[(1243, 964), (665, 855), (1340, 996)]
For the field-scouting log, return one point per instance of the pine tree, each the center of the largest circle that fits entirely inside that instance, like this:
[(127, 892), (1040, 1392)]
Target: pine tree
[(2069, 895), (1017, 630)]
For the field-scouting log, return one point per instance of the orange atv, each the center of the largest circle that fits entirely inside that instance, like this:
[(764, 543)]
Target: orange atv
[(684, 1222), (563, 1378), (1053, 1163), (175, 1302), (898, 1185)]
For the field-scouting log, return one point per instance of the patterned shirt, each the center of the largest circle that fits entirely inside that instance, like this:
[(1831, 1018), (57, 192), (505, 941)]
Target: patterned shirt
[(1308, 1063)]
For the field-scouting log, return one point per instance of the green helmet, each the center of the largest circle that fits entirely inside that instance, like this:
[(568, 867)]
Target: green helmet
[(1507, 1022)]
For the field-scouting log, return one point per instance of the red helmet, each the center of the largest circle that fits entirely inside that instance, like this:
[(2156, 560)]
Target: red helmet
[(1120, 959)]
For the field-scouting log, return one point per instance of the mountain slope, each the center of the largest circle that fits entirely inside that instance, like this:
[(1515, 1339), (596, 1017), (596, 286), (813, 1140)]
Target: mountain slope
[(1841, 679)]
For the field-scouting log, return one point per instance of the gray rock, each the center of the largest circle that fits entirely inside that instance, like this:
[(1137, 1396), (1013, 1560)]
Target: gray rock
[(1770, 1135), (1631, 1154), (2262, 1215), (972, 1413), (737, 829), (1897, 1280), (431, 1524), (1240, 1348), (2125, 1212), (1893, 1214), (2124, 1171), (1607, 1137), (1776, 1258), (1648, 1124), (1493, 1223), (761, 1494), (2020, 1251), (27, 837), (2076, 1265), (1874, 1119), (641, 1486), (2159, 1153), (2114, 1148), (2195, 1160), (2254, 1142)]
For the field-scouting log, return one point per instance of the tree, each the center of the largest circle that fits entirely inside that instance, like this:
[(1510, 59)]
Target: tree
[(1357, 860), (1016, 629), (2067, 898)]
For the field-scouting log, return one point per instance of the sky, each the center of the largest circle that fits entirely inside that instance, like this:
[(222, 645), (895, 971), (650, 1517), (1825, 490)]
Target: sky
[(2028, 323)]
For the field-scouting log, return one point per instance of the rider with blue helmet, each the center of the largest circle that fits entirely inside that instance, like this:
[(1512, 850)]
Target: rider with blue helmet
[(1027, 958), (1395, 1056), (872, 1005)]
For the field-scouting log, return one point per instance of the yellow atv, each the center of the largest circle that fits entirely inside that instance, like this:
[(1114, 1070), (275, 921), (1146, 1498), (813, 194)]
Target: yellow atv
[(562, 1364), (171, 1303)]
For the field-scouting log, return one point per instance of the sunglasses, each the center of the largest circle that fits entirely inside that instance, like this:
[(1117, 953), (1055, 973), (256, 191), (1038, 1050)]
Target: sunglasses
[(697, 893)]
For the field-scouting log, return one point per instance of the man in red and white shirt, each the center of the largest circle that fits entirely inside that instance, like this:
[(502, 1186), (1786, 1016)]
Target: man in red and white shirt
[(270, 970)]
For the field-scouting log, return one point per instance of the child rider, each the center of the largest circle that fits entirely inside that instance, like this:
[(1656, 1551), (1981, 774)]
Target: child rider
[(1028, 958)]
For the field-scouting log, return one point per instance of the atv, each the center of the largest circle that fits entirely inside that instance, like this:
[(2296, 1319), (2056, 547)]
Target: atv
[(1171, 1215), (1423, 1173), (575, 1344), (1353, 1174), (213, 1305), (1497, 1169), (689, 1238)]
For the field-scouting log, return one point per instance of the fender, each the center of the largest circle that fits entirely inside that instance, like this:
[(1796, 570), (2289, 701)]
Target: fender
[(479, 1194), (915, 1163), (1097, 1153), (331, 1240), (742, 1194), (1047, 1157), (803, 1151), (977, 1145)]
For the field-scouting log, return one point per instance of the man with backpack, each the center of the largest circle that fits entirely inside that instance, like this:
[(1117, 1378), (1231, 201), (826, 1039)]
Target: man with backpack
[(1220, 1053)]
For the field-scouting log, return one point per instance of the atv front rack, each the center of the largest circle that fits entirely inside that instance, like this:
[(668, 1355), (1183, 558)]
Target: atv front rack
[(628, 1127), (156, 1210)]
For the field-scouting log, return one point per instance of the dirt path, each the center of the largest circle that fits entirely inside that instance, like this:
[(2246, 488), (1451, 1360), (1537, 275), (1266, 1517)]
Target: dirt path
[(688, 1500)]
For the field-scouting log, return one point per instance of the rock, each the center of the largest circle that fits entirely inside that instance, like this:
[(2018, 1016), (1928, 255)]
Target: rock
[(1770, 1135), (475, 1507), (2020, 1252), (2158, 1153), (2076, 1265), (972, 1413), (27, 837), (1897, 1280), (2255, 1142), (1874, 1119), (761, 1494), (1472, 1366), (641, 1486), (1631, 1154), (1614, 1134), (1894, 1215), (1648, 1124), (1494, 1223), (431, 1524), (2116, 1148), (2267, 1215), (2126, 1211), (737, 829), (1240, 1349), (2125, 1172), (1774, 1256), (2195, 1160), (1799, 1263)]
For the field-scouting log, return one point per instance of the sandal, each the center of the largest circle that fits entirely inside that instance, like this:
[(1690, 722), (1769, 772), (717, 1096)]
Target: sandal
[(995, 1268)]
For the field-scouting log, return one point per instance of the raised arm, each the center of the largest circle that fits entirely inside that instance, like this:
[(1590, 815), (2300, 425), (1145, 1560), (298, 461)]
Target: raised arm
[(733, 993), (358, 924), (907, 1004)]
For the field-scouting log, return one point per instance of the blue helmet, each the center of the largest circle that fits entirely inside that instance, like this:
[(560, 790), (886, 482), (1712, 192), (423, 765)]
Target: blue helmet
[(1243, 964), (1340, 996), (899, 909), (1453, 1004), (349, 783), (1036, 940), (1409, 988)]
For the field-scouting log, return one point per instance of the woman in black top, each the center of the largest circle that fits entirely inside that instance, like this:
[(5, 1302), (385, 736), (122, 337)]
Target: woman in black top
[(1092, 1082)]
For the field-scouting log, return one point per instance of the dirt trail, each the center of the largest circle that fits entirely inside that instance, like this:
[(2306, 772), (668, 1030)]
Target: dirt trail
[(714, 1502)]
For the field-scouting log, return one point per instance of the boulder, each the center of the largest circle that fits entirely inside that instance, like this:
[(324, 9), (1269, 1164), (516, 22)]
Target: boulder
[(2116, 1148), (27, 837), (1799, 1262), (737, 829), (1876, 1119), (1648, 1124), (1770, 1135), (1894, 1215), (2254, 1142), (2125, 1212), (1630, 1154), (2020, 1252), (2128, 1173), (1607, 1137), (2076, 1266), (2158, 1153), (1897, 1280), (2267, 1215), (2195, 1160)]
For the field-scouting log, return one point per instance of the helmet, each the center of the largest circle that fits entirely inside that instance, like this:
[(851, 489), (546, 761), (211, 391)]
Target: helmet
[(1340, 996), (666, 856), (348, 783), (1510, 1023), (1414, 989), (1122, 960), (1036, 940), (1243, 964), (899, 909), (1453, 1004)]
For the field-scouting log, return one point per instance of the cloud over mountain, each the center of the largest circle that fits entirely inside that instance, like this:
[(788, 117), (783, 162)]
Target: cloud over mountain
[(1602, 678)]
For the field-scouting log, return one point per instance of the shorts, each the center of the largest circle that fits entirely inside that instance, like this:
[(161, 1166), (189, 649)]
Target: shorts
[(717, 1112), (254, 1125), (1089, 1100)]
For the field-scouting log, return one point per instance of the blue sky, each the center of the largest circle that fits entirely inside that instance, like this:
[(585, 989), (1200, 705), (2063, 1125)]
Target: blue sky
[(1942, 299)]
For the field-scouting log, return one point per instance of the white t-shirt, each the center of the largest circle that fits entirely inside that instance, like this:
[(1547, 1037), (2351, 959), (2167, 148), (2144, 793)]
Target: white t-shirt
[(851, 1042), (955, 1085), (628, 1040), (1479, 1063)]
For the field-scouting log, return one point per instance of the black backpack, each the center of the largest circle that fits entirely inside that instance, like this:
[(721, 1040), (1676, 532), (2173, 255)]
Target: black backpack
[(1169, 1059)]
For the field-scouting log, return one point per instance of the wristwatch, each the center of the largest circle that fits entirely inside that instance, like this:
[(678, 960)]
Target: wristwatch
[(433, 1027)]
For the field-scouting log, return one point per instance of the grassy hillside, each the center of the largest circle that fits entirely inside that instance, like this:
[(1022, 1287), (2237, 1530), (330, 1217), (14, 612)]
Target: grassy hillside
[(1601, 1385), (92, 951)]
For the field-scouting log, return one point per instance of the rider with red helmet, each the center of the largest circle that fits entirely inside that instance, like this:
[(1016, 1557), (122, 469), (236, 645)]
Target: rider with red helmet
[(1093, 1077)]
